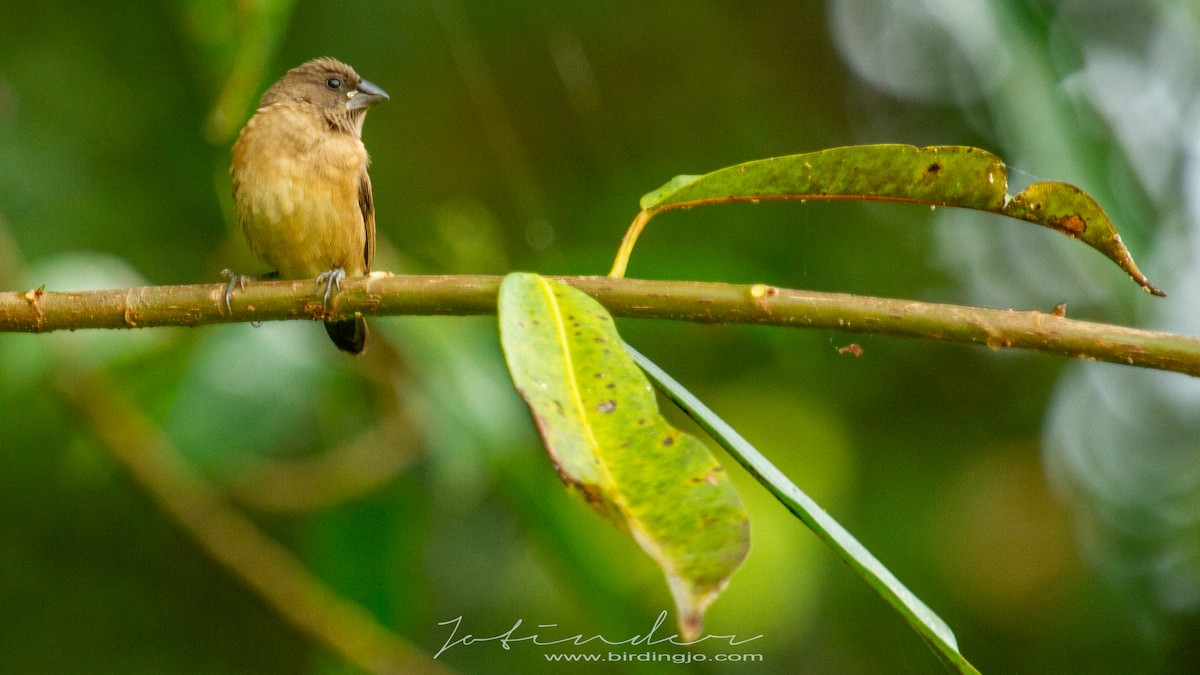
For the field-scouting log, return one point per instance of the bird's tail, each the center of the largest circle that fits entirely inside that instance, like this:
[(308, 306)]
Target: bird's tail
[(350, 335)]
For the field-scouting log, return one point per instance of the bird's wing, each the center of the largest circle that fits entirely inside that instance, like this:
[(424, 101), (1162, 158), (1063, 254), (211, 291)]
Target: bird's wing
[(366, 202)]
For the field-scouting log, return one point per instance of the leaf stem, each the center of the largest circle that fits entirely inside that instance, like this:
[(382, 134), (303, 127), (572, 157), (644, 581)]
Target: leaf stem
[(627, 243)]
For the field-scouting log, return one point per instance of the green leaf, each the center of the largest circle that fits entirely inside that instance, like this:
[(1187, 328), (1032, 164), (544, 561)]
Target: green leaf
[(918, 614), (599, 419), (939, 176)]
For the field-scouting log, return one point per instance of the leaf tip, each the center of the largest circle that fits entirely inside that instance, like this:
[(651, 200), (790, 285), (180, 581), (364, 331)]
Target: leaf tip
[(1068, 209), (1124, 260), (691, 602), (691, 626)]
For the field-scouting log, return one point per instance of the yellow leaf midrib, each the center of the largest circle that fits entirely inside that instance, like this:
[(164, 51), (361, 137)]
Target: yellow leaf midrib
[(576, 398)]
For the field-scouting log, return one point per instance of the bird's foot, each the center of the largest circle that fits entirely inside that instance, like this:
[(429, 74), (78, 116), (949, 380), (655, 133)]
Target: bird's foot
[(238, 280), (331, 278)]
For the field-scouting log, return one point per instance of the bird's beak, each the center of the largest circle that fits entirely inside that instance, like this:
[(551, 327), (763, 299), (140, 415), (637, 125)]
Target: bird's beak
[(365, 96)]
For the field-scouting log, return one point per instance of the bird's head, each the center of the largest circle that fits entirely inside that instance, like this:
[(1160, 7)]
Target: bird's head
[(332, 88)]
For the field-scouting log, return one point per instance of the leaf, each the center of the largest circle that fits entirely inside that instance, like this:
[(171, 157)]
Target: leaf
[(927, 623), (939, 176), (599, 419)]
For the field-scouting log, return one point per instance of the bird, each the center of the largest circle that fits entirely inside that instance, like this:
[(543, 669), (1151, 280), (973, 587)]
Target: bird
[(300, 185)]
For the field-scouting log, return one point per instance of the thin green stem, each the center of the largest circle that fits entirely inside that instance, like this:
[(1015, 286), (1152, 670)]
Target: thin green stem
[(923, 619)]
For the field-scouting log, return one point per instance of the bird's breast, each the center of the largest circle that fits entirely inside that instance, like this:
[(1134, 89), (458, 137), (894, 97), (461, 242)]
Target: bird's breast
[(296, 190)]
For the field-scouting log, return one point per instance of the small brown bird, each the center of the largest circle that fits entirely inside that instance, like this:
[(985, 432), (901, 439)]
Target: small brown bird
[(300, 183)]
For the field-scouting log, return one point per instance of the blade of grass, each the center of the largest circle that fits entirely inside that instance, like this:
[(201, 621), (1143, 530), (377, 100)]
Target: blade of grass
[(923, 619)]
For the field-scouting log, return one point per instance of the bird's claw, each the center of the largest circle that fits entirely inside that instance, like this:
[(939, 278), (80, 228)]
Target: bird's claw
[(330, 278), (238, 280)]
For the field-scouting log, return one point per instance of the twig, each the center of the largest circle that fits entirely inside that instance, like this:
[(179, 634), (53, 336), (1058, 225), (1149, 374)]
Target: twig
[(702, 302), (233, 540)]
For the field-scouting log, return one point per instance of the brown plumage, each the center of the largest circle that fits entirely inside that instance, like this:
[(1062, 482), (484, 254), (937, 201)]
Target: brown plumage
[(300, 183)]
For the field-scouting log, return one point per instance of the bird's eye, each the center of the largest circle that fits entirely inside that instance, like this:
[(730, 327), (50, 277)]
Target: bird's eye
[(333, 83)]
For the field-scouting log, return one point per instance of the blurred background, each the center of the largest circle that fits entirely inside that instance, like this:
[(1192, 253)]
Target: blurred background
[(1047, 509)]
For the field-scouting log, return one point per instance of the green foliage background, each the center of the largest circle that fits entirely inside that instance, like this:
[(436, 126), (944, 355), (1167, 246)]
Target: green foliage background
[(520, 135)]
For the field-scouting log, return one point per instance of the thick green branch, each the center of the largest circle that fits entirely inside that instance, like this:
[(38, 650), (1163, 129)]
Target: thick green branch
[(152, 306)]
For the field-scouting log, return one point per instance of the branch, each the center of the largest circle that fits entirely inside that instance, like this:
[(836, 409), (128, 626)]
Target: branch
[(40, 311), (233, 540)]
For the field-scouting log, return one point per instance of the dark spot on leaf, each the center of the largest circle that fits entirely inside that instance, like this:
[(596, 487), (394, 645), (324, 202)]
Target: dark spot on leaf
[(934, 168), (612, 385), (606, 407), (669, 441), (599, 375), (853, 349), (1071, 224), (601, 339), (592, 494)]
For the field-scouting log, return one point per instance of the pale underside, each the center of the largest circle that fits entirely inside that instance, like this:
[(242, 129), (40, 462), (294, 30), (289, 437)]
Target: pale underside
[(299, 203)]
